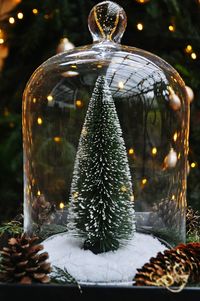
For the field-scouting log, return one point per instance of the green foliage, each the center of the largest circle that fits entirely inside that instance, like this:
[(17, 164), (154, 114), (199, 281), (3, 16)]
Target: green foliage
[(62, 276), (101, 208), (47, 230), (12, 228), (191, 238)]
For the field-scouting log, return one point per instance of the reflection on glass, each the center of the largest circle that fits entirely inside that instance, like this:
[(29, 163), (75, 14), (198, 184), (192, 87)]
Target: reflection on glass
[(153, 111)]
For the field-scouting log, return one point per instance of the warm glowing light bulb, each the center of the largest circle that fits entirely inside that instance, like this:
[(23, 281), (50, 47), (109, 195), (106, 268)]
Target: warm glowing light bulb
[(38, 193), (154, 151), (142, 1), (140, 26), (62, 205), (171, 28), (144, 181), (75, 195), (6, 112), (79, 103), (39, 120), (120, 85), (35, 11), (188, 49), (74, 66), (1, 41), (57, 139), (123, 189), (20, 15), (11, 20), (193, 55), (173, 197), (50, 98), (175, 136), (131, 151), (193, 165), (34, 100)]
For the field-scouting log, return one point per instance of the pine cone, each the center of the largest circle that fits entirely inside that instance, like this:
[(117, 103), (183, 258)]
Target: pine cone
[(192, 222), (175, 267), (21, 262)]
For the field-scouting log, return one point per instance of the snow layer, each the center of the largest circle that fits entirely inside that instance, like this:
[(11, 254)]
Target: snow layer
[(111, 267)]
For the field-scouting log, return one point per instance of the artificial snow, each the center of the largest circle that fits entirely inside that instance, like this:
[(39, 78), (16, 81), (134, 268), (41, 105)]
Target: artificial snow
[(119, 266)]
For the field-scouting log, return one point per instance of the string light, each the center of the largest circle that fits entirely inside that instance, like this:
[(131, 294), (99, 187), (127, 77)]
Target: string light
[(61, 205), (35, 11), (6, 113), (38, 193), (50, 98), (140, 26), (39, 120), (75, 195), (188, 49), (142, 1), (144, 181), (11, 20), (57, 139), (193, 55), (84, 131), (1, 36), (79, 103), (173, 197), (99, 66), (20, 16), (120, 85), (131, 151), (123, 189), (171, 28), (34, 100), (175, 136), (154, 151), (193, 164), (73, 66)]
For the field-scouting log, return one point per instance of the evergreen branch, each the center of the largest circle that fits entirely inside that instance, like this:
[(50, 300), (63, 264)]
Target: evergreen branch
[(13, 227), (175, 6), (62, 276), (192, 238), (47, 230)]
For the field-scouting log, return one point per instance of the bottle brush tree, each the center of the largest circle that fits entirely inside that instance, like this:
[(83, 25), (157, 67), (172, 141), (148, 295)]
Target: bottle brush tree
[(101, 207)]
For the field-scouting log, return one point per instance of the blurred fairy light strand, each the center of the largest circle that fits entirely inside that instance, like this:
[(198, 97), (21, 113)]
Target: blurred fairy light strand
[(188, 50)]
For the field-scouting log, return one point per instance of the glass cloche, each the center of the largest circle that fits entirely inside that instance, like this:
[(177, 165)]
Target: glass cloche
[(105, 133)]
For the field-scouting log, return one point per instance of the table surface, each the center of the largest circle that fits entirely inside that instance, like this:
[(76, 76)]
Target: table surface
[(56, 292)]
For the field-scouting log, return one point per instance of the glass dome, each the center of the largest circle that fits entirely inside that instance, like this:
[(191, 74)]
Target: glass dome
[(140, 103)]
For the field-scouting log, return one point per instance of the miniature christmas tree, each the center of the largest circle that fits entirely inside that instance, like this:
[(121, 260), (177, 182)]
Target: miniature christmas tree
[(101, 208)]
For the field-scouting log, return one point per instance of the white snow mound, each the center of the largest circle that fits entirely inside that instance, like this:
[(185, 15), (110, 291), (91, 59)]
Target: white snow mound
[(119, 266)]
